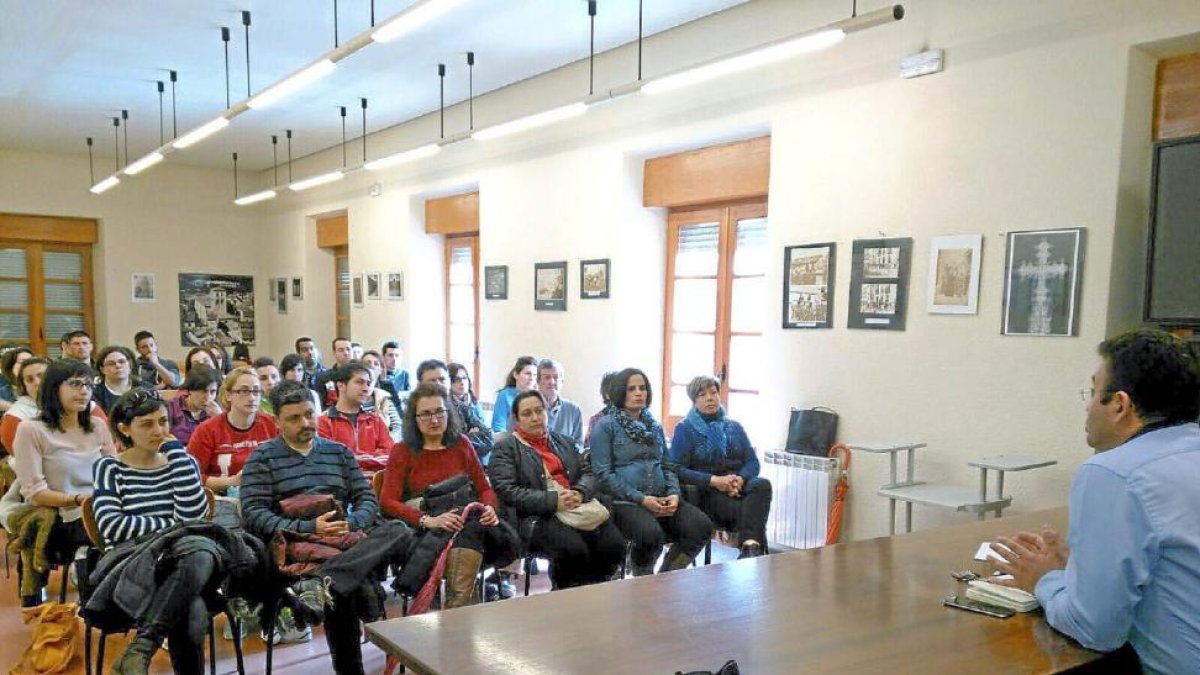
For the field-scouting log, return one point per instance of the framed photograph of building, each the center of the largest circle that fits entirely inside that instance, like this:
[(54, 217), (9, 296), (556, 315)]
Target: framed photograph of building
[(953, 286), (216, 308), (395, 285), (143, 287), (356, 290), (1043, 279), (495, 282), (879, 276), (550, 286), (593, 279), (374, 281), (808, 274)]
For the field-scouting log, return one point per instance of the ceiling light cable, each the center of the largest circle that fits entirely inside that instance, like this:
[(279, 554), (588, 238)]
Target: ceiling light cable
[(288, 132), (225, 39), (174, 118), (162, 137), (91, 162), (246, 29), (342, 108), (442, 98), (125, 132), (116, 144), (275, 157), (235, 185), (592, 49), (363, 101), (471, 90)]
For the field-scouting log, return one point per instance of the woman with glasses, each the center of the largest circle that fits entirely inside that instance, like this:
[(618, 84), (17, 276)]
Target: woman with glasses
[(221, 444), (116, 375), (433, 451), (462, 397), (54, 454)]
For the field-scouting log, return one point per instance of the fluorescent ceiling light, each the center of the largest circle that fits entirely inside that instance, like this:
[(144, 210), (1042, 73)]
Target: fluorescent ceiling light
[(402, 157), (143, 164), (413, 18), (200, 133), (104, 185), (292, 84), (316, 180), (754, 59), (255, 198), (532, 121)]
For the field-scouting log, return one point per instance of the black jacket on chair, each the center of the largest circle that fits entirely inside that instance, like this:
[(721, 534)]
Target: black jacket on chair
[(519, 478)]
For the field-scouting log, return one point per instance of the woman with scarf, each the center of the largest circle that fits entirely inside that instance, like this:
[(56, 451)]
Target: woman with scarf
[(629, 458), (521, 468), (714, 454)]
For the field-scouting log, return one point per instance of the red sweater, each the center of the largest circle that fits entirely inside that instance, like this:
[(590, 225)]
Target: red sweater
[(216, 437), (368, 440), (408, 474)]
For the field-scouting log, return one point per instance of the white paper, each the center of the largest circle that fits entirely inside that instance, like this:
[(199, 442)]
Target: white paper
[(986, 553)]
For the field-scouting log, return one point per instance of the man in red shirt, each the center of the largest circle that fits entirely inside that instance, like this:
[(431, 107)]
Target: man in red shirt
[(352, 423)]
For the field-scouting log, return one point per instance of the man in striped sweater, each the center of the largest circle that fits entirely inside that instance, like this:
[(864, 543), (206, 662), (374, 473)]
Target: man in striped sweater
[(298, 462)]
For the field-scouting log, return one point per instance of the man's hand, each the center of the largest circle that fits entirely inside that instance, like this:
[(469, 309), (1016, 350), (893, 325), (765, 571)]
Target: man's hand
[(326, 526), (1029, 559), (489, 517), (726, 484)]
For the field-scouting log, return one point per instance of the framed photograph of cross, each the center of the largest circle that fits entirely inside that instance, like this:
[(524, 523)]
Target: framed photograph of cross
[(1043, 282)]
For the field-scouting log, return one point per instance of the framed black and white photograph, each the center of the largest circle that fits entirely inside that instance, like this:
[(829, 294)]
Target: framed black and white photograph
[(297, 288), (143, 287), (281, 295), (495, 282), (395, 285), (374, 283), (216, 308), (1043, 278), (550, 286), (808, 274), (593, 278), (879, 274), (356, 290), (954, 263)]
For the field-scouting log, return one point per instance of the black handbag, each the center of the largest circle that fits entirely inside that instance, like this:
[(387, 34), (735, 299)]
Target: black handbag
[(812, 431), (453, 493)]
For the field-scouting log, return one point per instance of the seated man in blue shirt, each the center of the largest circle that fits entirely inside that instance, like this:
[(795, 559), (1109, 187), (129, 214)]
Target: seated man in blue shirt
[(1130, 568), (565, 417)]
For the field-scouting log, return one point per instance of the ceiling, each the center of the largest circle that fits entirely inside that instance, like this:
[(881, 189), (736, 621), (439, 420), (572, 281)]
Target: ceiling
[(70, 66)]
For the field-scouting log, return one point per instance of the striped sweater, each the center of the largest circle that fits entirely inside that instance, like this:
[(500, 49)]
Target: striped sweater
[(275, 472), (131, 502)]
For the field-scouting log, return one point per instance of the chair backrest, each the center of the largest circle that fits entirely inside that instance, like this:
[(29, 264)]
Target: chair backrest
[(377, 484)]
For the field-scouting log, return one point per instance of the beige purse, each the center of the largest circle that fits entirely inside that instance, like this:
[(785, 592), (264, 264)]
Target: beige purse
[(587, 516)]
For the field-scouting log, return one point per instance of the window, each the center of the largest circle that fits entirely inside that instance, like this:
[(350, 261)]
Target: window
[(45, 292), (716, 289), (462, 301), (341, 290)]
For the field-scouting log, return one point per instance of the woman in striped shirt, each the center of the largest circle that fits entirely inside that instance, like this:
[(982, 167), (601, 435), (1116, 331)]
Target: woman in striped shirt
[(151, 486)]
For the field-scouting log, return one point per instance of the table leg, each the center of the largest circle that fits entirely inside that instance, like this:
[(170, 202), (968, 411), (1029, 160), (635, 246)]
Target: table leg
[(999, 492), (908, 516), (891, 516), (982, 490)]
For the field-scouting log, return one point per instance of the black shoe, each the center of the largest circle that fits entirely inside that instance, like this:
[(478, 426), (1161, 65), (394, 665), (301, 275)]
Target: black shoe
[(311, 596), (750, 551), (136, 658)]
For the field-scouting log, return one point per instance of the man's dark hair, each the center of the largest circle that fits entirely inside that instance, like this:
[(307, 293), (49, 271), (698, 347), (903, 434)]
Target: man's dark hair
[(289, 362), (131, 405), (412, 433), (241, 352), (67, 337), (344, 373), (59, 371), (141, 335), (333, 345), (263, 362), (616, 389), (390, 344), (1158, 371), (200, 378), (430, 364), (289, 392), (302, 339)]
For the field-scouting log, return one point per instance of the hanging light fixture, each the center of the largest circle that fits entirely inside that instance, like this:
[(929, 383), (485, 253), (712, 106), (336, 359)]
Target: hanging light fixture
[(323, 179), (291, 84), (200, 133), (413, 18), (144, 163), (104, 185), (403, 157), (532, 121), (255, 198)]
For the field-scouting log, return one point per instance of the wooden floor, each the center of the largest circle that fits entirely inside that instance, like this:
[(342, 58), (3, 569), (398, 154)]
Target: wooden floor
[(307, 658)]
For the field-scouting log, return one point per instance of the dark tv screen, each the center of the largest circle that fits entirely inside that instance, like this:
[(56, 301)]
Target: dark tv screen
[(1173, 263)]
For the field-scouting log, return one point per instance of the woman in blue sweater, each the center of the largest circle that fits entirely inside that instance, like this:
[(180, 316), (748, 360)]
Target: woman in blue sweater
[(714, 454), (629, 460), (522, 377)]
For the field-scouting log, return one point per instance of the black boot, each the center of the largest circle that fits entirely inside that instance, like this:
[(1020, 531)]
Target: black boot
[(136, 658)]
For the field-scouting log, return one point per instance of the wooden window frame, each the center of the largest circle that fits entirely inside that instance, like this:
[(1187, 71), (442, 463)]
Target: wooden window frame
[(341, 252), (38, 340), (453, 241)]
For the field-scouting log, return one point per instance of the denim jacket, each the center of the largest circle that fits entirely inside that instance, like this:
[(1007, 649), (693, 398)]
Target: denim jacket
[(628, 471)]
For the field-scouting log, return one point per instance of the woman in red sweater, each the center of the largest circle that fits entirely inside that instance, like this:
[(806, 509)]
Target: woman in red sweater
[(434, 449), (222, 444)]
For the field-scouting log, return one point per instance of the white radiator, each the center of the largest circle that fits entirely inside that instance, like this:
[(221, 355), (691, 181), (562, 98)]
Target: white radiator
[(802, 493)]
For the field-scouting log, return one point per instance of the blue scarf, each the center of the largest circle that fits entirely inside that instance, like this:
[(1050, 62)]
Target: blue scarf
[(716, 441)]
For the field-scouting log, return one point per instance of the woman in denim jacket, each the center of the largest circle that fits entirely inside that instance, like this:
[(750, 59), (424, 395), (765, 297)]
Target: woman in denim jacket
[(629, 457)]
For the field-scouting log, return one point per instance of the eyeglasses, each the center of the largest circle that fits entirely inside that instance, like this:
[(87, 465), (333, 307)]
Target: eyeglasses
[(427, 416), (247, 392), (78, 383)]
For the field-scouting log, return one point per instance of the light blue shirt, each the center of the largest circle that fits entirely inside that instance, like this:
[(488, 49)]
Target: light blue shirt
[(566, 419), (1134, 570)]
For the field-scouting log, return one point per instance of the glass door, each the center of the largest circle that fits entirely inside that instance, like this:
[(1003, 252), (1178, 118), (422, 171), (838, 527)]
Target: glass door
[(462, 302)]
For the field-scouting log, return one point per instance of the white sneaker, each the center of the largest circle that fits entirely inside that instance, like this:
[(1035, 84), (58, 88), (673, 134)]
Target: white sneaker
[(286, 629)]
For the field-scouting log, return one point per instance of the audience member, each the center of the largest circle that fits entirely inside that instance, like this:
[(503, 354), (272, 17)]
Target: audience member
[(310, 356), (163, 563), (433, 451), (116, 375), (268, 377), (348, 423), (196, 402), (522, 377), (29, 378), (220, 357), (393, 368), (54, 455), (462, 397), (8, 374), (200, 356), (564, 415), (605, 381), (356, 350), (1127, 570), (714, 454), (152, 370), (77, 346), (241, 356), (538, 474), (326, 386), (344, 588), (222, 444), (383, 402), (291, 368), (629, 454)]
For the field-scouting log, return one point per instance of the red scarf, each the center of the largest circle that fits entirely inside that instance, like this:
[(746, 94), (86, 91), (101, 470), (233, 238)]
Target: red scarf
[(551, 460)]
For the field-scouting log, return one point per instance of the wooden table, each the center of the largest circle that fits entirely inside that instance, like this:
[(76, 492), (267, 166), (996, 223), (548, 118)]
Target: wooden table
[(863, 607)]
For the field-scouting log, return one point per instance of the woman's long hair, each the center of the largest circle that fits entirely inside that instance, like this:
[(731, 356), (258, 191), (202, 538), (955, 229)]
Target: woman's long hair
[(456, 367), (521, 364)]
